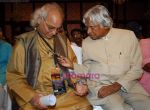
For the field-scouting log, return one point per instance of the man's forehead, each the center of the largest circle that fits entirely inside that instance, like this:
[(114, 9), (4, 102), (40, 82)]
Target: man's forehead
[(54, 19), (88, 21)]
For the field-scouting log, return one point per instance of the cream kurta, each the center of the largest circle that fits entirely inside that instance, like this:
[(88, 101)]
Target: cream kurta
[(24, 93), (115, 58)]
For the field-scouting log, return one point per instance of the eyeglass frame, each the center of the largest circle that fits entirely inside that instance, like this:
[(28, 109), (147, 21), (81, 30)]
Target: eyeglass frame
[(51, 28)]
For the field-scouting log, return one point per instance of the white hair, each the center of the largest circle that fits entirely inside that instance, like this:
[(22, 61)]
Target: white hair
[(42, 12), (98, 15)]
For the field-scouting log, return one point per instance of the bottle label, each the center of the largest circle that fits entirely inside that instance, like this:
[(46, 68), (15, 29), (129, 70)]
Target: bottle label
[(58, 83)]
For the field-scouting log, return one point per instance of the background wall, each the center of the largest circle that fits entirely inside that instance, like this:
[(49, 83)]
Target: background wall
[(15, 14)]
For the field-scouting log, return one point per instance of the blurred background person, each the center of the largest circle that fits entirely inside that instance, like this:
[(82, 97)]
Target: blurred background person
[(77, 36), (136, 28), (5, 52), (145, 48), (76, 43)]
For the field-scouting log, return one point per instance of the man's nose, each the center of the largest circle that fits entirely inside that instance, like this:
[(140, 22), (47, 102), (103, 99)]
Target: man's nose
[(88, 30)]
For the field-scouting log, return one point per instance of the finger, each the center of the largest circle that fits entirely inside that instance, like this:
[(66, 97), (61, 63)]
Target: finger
[(82, 91), (100, 94), (61, 60), (42, 106), (79, 94)]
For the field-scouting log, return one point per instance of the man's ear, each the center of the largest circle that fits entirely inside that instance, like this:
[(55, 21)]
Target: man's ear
[(40, 20)]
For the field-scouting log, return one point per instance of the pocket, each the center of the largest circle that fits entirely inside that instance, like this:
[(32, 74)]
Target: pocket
[(124, 63), (120, 66)]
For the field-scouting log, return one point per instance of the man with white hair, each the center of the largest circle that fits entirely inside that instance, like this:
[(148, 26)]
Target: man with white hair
[(34, 61), (115, 55)]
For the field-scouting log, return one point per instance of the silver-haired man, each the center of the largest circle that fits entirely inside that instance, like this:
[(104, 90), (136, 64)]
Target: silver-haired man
[(115, 55), (29, 73)]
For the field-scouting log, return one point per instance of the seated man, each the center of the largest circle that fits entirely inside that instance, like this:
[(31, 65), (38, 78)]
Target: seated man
[(114, 54), (34, 59)]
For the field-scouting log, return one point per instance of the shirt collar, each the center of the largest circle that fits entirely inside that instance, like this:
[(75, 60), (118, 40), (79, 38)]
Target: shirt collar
[(108, 36)]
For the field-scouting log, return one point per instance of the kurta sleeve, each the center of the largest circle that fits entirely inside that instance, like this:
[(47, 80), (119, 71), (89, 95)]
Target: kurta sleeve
[(78, 68), (73, 58), (16, 78), (135, 60)]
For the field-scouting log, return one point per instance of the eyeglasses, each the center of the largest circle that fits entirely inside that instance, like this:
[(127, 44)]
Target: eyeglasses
[(52, 28)]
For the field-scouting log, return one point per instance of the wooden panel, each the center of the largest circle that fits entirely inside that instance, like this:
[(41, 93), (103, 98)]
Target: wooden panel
[(22, 12), (73, 11), (120, 10), (135, 10), (8, 13), (39, 5), (86, 6), (8, 33)]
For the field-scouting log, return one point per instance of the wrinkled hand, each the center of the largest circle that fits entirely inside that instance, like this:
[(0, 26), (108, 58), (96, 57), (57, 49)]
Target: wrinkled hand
[(81, 89), (65, 62), (35, 101), (108, 90)]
